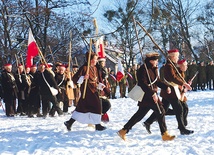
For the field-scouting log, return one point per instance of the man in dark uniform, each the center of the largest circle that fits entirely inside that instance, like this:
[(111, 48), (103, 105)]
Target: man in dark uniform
[(182, 67), (19, 76), (130, 79), (105, 93), (113, 83), (9, 89), (210, 75), (192, 69), (76, 88), (173, 78), (46, 78), (122, 86), (34, 95), (202, 79), (61, 81), (149, 84)]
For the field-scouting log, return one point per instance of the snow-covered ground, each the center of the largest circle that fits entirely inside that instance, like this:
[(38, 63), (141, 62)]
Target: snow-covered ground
[(38, 136)]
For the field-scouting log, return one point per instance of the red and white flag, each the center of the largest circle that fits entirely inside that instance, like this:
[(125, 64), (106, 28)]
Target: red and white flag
[(120, 71), (32, 50), (100, 49)]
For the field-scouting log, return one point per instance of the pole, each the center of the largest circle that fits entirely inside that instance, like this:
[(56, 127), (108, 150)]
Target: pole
[(51, 54), (87, 71)]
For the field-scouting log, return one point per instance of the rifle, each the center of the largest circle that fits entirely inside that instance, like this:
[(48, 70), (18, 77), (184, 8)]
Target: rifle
[(26, 76), (190, 82), (17, 64), (69, 86)]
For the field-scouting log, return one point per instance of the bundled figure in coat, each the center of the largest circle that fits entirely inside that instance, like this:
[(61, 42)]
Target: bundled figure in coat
[(9, 89), (46, 80), (88, 109), (182, 67), (149, 82), (105, 93), (175, 80)]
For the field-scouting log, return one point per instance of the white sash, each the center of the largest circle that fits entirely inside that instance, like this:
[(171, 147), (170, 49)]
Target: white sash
[(175, 86)]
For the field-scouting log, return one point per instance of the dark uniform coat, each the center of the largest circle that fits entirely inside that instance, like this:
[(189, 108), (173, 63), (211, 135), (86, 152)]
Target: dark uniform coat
[(144, 83), (171, 76)]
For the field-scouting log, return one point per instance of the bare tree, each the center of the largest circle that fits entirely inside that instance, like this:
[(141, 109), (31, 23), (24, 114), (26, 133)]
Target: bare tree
[(50, 21), (182, 21), (120, 19)]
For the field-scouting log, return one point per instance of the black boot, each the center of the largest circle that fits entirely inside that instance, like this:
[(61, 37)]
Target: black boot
[(147, 126), (186, 132), (99, 127), (69, 123)]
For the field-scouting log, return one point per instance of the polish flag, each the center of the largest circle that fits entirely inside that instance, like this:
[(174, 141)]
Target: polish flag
[(100, 49), (32, 50), (120, 71)]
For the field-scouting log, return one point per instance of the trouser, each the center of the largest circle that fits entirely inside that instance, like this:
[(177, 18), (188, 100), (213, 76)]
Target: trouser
[(106, 105), (10, 107), (63, 97), (168, 111), (210, 84), (113, 92), (122, 90), (46, 99), (178, 110), (142, 111), (21, 104)]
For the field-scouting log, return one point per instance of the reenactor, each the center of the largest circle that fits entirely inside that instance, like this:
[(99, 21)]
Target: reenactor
[(27, 88), (34, 95), (130, 79), (113, 83), (19, 76), (122, 86), (202, 79), (210, 75), (76, 88), (105, 93), (69, 85), (61, 80), (173, 78), (134, 73), (88, 110), (150, 99), (45, 81), (192, 69), (9, 89), (182, 67)]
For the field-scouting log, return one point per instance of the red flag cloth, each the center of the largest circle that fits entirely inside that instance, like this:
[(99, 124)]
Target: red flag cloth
[(120, 71), (32, 50)]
